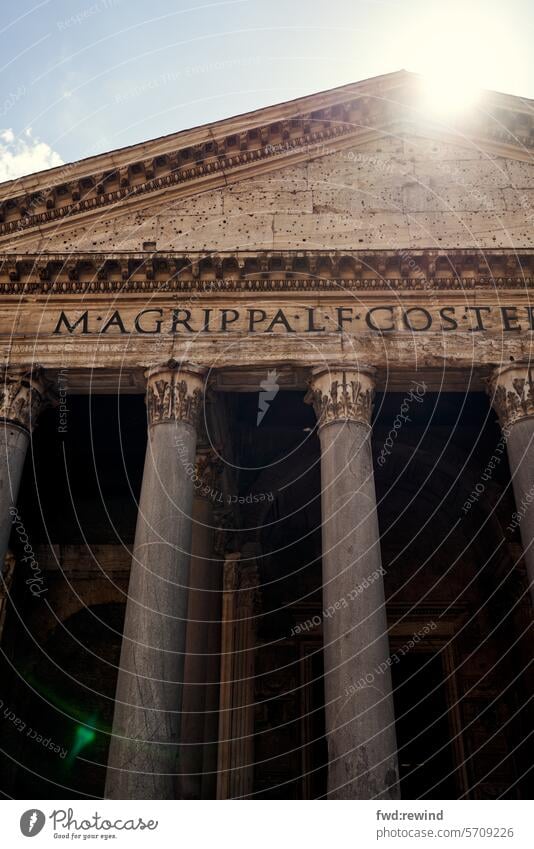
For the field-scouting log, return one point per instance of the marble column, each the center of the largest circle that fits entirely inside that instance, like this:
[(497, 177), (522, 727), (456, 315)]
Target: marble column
[(360, 721), (23, 394), (199, 714), (144, 746), (512, 394)]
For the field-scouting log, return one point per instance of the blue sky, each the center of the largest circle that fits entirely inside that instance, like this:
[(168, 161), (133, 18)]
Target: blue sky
[(80, 77)]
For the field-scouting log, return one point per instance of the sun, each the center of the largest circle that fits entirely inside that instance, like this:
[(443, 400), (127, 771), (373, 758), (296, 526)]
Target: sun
[(448, 96), (454, 47)]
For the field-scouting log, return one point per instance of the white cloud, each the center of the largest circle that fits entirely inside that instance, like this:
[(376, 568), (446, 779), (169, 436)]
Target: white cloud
[(20, 156)]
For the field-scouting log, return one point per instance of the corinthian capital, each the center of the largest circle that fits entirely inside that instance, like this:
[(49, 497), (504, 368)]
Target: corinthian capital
[(341, 393), (175, 392), (512, 393), (23, 394)]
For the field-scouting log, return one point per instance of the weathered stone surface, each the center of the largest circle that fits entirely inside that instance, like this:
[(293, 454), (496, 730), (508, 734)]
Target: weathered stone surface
[(360, 721), (520, 445), (199, 723), (338, 226), (512, 394), (23, 394), (403, 193), (146, 727)]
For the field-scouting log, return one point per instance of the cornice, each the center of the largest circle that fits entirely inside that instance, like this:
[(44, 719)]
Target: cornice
[(269, 142), (265, 271), (200, 158)]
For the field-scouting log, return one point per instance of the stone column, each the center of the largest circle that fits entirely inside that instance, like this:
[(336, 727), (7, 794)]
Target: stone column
[(199, 715), (6, 583), (23, 393), (512, 395), (236, 712), (360, 721), (143, 753)]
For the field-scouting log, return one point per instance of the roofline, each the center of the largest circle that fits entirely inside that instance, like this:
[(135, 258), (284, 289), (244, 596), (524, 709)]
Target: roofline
[(288, 108)]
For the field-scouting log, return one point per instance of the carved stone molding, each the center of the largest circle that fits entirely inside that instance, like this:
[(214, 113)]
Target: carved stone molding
[(175, 392), (23, 394), (313, 126), (341, 393), (179, 169), (512, 393), (97, 273)]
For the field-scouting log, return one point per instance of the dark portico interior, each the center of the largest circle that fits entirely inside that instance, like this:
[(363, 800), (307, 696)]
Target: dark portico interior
[(457, 606)]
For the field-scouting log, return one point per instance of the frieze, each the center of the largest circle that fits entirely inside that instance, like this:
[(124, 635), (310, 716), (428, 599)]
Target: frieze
[(294, 318)]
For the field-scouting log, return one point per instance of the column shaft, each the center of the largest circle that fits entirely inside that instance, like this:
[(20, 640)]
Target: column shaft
[(146, 727), (14, 442), (360, 722), (512, 389), (23, 394), (521, 459), (198, 734)]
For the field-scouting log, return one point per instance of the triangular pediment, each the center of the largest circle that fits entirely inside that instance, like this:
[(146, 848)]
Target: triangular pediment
[(356, 167)]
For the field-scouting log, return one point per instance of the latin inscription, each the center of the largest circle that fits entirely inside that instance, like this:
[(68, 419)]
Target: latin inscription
[(298, 319)]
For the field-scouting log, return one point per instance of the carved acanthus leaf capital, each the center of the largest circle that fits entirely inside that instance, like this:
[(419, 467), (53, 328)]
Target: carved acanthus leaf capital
[(341, 393), (23, 394), (512, 393), (175, 392)]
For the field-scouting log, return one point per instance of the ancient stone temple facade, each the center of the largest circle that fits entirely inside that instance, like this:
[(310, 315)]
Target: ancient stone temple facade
[(267, 461)]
